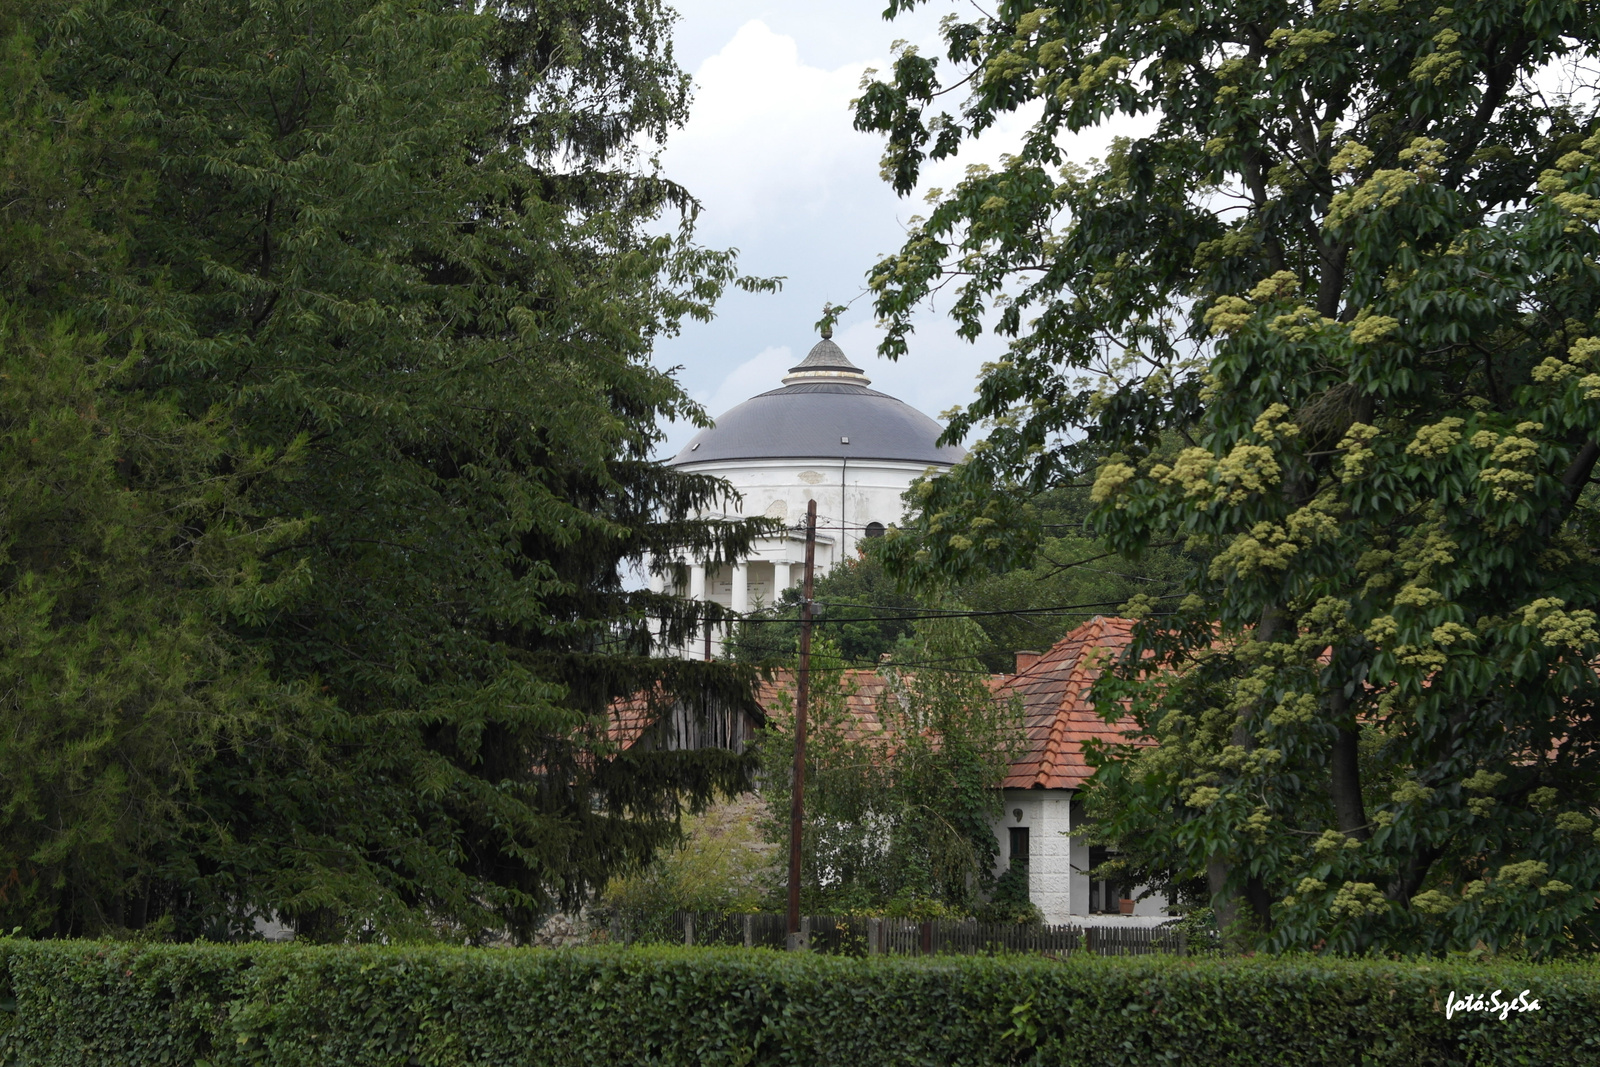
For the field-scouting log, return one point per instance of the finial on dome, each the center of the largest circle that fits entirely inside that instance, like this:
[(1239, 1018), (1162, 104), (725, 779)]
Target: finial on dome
[(830, 315)]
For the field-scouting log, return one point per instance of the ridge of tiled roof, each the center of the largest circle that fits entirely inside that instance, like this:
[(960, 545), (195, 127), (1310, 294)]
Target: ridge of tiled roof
[(1057, 710)]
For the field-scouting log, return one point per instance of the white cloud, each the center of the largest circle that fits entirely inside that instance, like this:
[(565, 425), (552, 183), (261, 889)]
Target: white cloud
[(759, 373), (769, 137), (755, 375), (770, 151), (937, 374)]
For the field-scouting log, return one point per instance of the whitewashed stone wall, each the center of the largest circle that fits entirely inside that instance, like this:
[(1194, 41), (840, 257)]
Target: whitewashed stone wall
[(1057, 861)]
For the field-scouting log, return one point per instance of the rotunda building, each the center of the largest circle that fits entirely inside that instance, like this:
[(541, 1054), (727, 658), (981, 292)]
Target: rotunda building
[(823, 436)]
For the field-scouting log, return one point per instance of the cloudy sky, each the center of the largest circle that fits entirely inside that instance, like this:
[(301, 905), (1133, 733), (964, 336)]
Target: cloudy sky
[(770, 152)]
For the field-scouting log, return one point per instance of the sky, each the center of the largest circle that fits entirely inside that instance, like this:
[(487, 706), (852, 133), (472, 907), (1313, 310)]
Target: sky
[(782, 176)]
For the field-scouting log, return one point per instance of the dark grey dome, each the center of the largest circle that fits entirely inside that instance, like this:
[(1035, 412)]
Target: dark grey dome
[(822, 420), (823, 411)]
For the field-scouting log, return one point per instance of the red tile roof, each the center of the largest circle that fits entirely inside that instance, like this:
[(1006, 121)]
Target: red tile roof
[(1057, 711), (863, 689), (1058, 714), (630, 719)]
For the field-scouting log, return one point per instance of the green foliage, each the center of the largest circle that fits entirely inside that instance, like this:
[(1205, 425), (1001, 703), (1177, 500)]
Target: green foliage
[(327, 425), (723, 865), (1008, 901), (115, 521), (80, 1002), (857, 589), (1070, 567), (902, 785), (1353, 266)]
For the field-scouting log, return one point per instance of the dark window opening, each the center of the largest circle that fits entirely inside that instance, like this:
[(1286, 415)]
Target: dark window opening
[(1019, 846), (874, 529), (1104, 895)]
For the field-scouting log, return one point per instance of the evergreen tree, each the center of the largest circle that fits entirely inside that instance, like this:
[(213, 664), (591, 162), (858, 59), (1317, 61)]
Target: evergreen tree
[(1353, 266), (116, 680), (390, 272)]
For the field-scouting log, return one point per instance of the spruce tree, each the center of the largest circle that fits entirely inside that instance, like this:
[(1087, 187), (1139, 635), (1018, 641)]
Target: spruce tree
[(393, 274)]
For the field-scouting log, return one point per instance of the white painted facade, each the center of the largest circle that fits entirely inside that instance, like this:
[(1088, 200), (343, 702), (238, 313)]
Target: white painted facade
[(1058, 862), (850, 497)]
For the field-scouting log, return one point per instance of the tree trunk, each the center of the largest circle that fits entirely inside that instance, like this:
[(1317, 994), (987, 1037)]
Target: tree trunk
[(1345, 786), (1223, 906), (1409, 879)]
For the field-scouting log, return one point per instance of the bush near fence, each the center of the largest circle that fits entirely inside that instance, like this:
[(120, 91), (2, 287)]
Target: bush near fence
[(854, 935), (76, 1003)]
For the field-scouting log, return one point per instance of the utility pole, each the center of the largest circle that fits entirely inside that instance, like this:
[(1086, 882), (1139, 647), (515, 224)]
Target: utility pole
[(802, 691)]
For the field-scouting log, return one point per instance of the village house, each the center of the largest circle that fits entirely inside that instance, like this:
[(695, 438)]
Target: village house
[(825, 436), (1041, 819)]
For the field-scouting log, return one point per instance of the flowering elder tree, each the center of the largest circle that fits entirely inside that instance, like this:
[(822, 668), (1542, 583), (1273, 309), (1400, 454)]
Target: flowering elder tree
[(1332, 325)]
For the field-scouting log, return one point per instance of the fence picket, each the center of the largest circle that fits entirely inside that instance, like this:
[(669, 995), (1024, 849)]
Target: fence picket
[(860, 936)]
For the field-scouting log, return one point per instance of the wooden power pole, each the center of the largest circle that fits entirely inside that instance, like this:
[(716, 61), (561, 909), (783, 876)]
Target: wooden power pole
[(802, 691)]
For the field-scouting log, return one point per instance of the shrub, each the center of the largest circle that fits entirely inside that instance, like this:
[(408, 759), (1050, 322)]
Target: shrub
[(722, 864), (90, 1003)]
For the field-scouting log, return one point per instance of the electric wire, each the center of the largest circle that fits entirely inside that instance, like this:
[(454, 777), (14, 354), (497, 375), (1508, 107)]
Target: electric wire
[(1064, 610)]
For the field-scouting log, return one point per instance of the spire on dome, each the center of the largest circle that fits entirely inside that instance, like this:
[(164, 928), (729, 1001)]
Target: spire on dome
[(826, 362)]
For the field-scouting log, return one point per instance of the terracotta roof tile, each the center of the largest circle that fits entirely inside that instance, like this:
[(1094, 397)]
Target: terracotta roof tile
[(1058, 714), (865, 687)]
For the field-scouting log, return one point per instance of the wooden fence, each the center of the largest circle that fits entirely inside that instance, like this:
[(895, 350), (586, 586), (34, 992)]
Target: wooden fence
[(857, 936)]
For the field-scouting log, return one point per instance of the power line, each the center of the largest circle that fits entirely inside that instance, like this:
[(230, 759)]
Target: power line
[(1067, 609), (860, 664)]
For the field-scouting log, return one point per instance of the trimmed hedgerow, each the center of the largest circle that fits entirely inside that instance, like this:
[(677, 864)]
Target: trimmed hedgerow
[(91, 1003)]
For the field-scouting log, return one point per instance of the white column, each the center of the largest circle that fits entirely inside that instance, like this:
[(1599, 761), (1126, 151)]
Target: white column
[(780, 580), (741, 586), (697, 581), (1051, 864)]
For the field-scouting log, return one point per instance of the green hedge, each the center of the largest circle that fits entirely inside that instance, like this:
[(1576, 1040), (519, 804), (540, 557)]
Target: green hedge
[(77, 1003)]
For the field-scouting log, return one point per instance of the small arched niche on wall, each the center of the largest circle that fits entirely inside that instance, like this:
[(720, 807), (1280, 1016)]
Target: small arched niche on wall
[(874, 529)]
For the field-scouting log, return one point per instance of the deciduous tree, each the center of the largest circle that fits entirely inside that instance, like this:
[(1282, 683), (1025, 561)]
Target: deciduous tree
[(902, 778), (1353, 263)]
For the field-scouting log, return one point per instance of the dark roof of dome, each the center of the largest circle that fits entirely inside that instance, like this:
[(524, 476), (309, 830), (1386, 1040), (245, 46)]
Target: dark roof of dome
[(812, 420)]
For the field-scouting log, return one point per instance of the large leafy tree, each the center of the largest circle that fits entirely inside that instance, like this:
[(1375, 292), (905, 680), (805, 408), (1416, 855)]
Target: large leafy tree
[(1353, 267), (375, 293)]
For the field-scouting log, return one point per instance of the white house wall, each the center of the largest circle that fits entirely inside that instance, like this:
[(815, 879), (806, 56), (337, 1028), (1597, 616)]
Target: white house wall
[(1047, 815), (1058, 883)]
